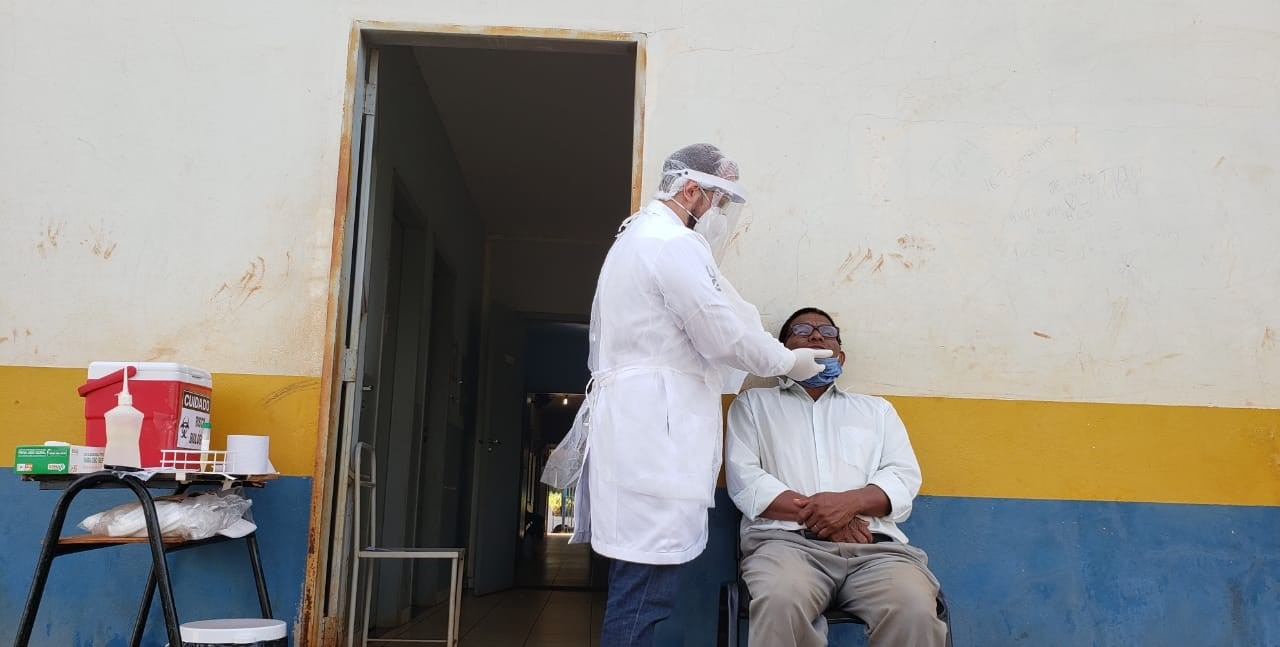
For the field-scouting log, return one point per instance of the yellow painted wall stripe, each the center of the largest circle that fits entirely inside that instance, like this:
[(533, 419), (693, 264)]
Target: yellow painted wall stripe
[(983, 448), (39, 404), (1093, 452)]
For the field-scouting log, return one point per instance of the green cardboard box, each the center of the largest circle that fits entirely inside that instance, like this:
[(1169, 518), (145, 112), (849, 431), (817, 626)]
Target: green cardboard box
[(57, 459)]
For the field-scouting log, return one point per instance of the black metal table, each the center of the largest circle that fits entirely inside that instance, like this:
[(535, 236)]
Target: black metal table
[(55, 545)]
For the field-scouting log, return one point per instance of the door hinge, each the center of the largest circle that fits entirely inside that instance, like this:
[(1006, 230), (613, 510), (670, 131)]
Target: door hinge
[(348, 365)]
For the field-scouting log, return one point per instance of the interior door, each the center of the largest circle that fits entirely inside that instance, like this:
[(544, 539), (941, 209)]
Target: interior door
[(352, 335), (497, 485)]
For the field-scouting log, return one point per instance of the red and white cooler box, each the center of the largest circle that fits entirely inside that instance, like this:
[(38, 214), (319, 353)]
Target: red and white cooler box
[(174, 400)]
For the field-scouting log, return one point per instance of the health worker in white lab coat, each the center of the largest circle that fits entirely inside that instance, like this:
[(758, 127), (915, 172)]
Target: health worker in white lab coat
[(669, 334)]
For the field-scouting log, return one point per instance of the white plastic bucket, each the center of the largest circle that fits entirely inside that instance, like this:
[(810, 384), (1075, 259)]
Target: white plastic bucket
[(235, 632)]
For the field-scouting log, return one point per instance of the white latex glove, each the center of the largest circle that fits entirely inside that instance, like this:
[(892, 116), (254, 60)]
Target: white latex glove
[(806, 365)]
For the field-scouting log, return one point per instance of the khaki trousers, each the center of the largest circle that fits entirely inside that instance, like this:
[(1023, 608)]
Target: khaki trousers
[(792, 580)]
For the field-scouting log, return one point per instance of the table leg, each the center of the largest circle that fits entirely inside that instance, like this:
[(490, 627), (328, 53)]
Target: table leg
[(255, 560), (159, 564), (140, 625), (48, 551)]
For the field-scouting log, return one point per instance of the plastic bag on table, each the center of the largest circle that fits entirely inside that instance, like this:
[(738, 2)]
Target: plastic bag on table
[(190, 517), (564, 466)]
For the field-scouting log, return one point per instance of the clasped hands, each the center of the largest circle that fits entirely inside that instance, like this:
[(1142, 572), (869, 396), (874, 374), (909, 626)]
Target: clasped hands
[(834, 517)]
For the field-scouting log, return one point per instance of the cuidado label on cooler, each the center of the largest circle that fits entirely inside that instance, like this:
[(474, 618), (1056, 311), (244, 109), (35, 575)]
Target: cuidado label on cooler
[(195, 412)]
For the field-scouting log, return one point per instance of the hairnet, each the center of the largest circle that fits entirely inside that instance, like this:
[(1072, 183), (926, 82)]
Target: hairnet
[(690, 161)]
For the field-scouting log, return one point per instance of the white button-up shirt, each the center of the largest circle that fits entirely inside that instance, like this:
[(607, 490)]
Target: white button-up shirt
[(781, 439)]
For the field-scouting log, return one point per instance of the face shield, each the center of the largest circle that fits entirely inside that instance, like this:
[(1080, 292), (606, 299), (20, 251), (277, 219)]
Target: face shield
[(719, 221), (728, 188), (729, 208)]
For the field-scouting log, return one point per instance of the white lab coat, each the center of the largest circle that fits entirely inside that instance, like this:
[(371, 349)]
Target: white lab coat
[(668, 335)]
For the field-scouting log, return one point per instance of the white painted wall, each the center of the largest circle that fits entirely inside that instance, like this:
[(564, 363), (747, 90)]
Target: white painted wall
[(949, 179)]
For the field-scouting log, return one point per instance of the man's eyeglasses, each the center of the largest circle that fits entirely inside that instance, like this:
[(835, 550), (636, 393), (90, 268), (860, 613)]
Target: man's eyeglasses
[(804, 330), (717, 198)]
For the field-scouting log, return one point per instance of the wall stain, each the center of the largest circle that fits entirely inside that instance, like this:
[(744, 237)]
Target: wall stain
[(913, 252), (249, 284), (100, 245), (104, 249), (285, 391), (251, 280), (911, 242), (161, 352), (1268, 339), (738, 234), (49, 239), (1119, 314), (1238, 616), (1163, 358), (851, 263)]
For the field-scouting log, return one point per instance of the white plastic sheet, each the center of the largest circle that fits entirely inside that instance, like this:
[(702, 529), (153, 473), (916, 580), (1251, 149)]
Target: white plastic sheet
[(564, 466), (190, 517)]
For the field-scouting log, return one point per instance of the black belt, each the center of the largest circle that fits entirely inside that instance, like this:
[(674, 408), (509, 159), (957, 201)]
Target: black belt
[(876, 537)]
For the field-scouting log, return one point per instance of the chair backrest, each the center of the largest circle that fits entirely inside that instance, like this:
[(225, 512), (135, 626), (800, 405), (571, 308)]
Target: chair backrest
[(363, 480)]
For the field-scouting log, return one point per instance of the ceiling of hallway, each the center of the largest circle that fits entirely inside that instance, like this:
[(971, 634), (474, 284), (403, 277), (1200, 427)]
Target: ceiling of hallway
[(543, 138)]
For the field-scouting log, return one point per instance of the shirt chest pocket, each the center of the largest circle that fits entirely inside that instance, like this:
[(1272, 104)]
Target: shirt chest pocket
[(858, 448)]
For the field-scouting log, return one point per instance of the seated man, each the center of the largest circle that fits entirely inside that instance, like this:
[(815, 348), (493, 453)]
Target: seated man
[(823, 476)]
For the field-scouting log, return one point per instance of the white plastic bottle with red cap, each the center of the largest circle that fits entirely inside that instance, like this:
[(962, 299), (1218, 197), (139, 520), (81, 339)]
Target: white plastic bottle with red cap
[(124, 432)]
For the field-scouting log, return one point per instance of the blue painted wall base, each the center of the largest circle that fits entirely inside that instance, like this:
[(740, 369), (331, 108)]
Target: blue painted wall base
[(1047, 573), (92, 598), (1016, 572)]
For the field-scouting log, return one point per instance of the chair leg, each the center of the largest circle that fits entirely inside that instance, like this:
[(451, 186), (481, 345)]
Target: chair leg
[(351, 612), (368, 598), (454, 603), (731, 613)]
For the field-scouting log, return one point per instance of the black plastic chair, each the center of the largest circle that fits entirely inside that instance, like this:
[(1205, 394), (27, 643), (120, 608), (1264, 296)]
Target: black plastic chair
[(735, 608)]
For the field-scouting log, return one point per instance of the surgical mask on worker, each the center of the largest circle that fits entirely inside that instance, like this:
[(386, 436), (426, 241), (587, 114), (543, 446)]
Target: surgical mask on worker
[(830, 371)]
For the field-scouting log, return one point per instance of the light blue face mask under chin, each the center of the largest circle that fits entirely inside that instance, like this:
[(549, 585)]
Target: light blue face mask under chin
[(830, 371)]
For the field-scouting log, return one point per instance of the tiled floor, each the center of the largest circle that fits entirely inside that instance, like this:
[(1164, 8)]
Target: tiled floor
[(518, 618), (556, 563), (525, 617)]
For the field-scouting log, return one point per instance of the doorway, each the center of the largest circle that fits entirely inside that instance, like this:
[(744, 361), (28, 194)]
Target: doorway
[(556, 376), (489, 175), (547, 560)]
